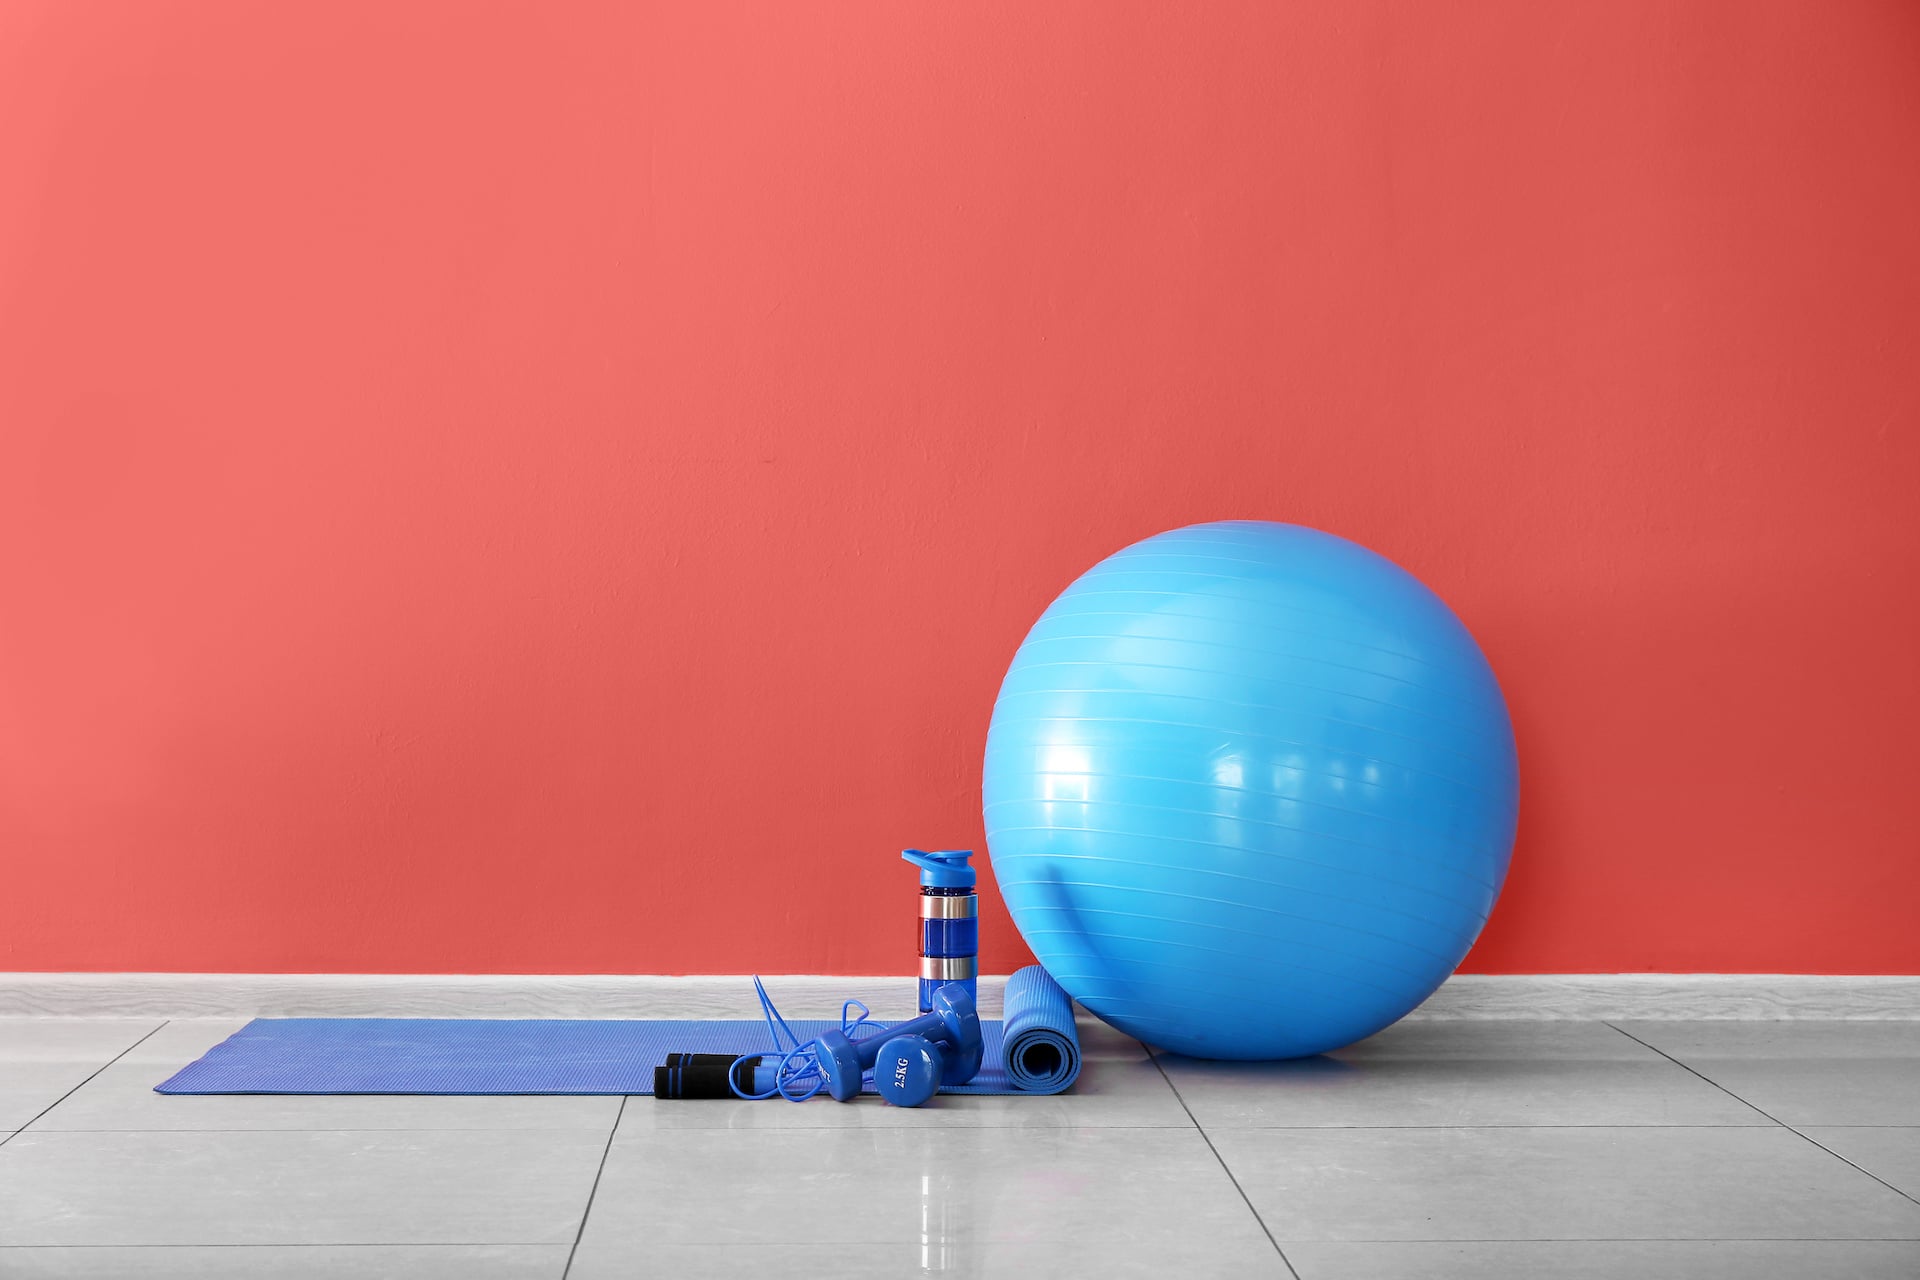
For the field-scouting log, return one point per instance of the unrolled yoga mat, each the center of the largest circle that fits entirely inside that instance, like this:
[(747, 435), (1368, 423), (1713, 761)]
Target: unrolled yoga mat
[(579, 1056)]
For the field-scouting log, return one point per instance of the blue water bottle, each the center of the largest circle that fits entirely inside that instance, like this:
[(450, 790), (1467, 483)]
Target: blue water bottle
[(949, 922)]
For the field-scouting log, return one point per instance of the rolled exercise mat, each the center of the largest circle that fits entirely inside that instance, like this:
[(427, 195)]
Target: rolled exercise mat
[(1041, 1045)]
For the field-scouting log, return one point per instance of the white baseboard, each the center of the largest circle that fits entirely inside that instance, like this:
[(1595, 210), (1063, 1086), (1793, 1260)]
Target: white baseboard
[(1534, 996), (1674, 996)]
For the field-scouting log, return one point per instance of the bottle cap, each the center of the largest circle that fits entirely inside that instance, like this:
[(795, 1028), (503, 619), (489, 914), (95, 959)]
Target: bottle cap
[(943, 868)]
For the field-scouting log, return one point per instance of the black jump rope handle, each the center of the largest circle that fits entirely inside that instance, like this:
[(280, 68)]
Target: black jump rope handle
[(703, 1075)]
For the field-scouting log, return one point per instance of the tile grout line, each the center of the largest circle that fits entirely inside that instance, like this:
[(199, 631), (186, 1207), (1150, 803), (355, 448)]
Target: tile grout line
[(548, 1244), (594, 1190), (824, 1128), (1224, 1167), (311, 1244), (84, 1083), (1775, 1119)]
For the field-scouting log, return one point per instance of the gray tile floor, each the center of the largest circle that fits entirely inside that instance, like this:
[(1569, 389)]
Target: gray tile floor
[(1435, 1149)]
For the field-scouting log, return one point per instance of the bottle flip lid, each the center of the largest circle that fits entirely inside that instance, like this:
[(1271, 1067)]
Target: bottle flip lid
[(943, 868)]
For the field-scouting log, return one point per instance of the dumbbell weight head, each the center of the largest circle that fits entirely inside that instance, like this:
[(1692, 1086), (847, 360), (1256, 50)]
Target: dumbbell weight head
[(908, 1069), (953, 1006), (842, 1060)]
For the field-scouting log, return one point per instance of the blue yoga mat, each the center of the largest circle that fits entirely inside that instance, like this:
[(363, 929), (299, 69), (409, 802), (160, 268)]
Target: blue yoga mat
[(578, 1056), (1040, 1050)]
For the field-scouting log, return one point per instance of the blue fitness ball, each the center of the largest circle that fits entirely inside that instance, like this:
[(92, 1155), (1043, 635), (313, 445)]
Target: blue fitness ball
[(1250, 790)]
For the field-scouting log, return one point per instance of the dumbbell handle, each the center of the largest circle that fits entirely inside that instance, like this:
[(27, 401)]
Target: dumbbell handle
[(931, 1026)]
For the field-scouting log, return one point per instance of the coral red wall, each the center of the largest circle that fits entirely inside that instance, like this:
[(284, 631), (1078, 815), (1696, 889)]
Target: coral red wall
[(554, 487)]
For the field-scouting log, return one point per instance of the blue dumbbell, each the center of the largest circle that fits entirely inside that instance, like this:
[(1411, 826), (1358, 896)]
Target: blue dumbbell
[(907, 1070), (953, 1025)]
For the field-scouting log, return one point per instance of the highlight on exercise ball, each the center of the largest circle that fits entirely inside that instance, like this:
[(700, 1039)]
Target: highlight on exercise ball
[(1250, 790)]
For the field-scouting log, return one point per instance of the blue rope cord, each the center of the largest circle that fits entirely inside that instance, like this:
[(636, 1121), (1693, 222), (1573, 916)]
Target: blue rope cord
[(799, 1065)]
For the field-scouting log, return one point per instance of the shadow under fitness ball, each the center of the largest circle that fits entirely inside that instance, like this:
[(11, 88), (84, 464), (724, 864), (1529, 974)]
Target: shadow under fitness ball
[(1250, 790)]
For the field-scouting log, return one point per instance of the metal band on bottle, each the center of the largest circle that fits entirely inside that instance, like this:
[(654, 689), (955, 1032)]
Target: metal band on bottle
[(943, 907), (949, 968)]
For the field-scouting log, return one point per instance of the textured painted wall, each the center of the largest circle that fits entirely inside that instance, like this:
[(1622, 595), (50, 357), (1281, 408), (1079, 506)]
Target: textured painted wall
[(555, 487)]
